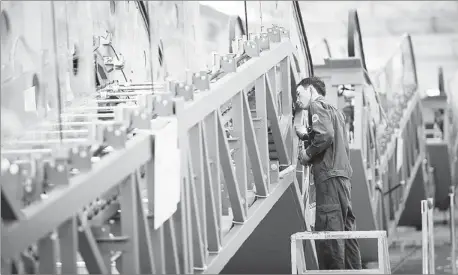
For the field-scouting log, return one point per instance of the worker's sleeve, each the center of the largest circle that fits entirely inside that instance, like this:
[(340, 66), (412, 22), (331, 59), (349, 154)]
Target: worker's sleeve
[(322, 128)]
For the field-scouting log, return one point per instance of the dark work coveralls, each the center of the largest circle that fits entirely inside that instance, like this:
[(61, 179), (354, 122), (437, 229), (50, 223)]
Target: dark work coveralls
[(329, 155)]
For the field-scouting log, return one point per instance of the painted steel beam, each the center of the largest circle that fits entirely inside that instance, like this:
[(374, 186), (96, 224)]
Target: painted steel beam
[(256, 213), (62, 202), (223, 90)]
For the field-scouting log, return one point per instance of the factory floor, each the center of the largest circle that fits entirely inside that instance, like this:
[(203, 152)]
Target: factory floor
[(406, 251)]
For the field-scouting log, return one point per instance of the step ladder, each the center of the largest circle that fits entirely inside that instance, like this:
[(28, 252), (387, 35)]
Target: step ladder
[(298, 257)]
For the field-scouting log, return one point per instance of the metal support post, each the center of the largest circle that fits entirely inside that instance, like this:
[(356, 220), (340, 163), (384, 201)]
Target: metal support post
[(424, 236), (453, 255), (428, 251), (432, 253)]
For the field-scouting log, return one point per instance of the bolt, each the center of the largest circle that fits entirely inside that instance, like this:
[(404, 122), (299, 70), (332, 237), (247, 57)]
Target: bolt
[(14, 169), (5, 164)]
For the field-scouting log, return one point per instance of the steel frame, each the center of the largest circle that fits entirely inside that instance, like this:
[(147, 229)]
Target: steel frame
[(192, 240)]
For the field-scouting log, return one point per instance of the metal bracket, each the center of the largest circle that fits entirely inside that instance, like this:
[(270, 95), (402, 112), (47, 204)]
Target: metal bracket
[(163, 104), (185, 91), (228, 64), (252, 48), (274, 171), (57, 173), (171, 87), (116, 135), (80, 158), (201, 81), (274, 35), (263, 41), (284, 33), (216, 62), (32, 177), (141, 119)]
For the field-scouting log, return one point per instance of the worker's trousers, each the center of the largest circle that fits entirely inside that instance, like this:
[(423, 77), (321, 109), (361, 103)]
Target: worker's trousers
[(334, 213)]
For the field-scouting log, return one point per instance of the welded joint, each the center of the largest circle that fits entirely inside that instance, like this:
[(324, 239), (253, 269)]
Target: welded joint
[(200, 268), (215, 252)]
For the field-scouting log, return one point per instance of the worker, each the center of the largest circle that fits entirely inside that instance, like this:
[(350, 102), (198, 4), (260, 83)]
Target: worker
[(439, 120), (329, 156)]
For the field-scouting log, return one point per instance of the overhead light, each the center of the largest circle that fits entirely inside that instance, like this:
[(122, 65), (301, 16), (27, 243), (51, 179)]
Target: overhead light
[(433, 92)]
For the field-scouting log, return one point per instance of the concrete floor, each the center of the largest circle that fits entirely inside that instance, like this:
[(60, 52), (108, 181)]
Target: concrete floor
[(406, 251)]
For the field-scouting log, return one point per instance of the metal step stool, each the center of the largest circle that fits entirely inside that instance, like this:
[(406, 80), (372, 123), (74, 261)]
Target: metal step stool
[(298, 261)]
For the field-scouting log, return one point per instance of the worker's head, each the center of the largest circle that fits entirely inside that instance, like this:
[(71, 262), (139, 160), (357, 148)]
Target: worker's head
[(307, 90)]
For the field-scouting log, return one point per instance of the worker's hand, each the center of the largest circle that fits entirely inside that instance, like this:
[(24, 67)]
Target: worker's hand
[(301, 132), (304, 158)]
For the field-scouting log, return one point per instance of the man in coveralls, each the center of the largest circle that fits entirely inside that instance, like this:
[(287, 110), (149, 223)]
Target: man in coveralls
[(327, 151)]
